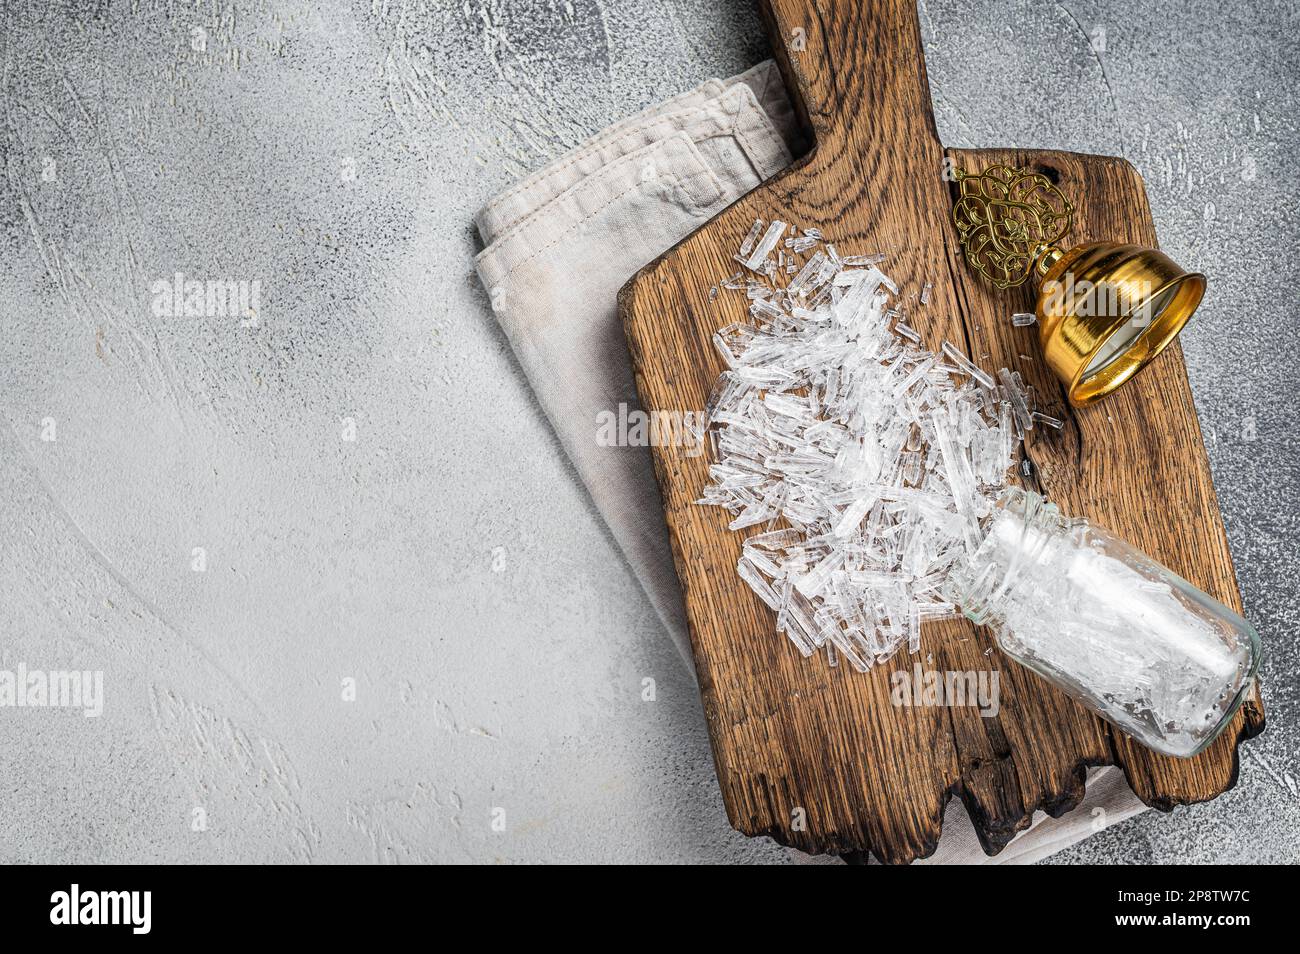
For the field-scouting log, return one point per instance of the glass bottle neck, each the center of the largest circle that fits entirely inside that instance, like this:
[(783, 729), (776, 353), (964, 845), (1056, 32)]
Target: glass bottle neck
[(1016, 537)]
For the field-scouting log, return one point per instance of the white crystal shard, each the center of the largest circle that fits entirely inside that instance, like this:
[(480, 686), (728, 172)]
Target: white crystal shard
[(966, 365), (863, 259), (765, 246), (806, 274), (1023, 319), (906, 331), (1016, 394), (747, 245)]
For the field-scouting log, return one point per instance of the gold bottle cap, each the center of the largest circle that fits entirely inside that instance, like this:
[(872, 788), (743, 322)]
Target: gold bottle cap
[(1106, 310)]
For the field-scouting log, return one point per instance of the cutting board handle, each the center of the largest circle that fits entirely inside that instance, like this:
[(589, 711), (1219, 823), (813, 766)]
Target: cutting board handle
[(880, 96)]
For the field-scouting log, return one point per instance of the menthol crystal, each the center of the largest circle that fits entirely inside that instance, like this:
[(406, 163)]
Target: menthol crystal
[(859, 462)]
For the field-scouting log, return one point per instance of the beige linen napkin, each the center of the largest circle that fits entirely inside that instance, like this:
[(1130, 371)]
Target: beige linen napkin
[(695, 111), (553, 277), (561, 243)]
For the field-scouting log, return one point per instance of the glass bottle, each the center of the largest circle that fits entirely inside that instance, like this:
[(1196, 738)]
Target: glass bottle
[(1122, 634)]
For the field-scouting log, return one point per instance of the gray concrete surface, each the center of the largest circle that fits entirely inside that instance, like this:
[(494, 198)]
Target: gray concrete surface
[(239, 521)]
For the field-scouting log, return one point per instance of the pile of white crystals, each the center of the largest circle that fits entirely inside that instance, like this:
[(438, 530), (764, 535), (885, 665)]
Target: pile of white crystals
[(867, 460)]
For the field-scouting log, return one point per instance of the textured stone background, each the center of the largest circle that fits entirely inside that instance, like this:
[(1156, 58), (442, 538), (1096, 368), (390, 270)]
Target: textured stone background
[(447, 559)]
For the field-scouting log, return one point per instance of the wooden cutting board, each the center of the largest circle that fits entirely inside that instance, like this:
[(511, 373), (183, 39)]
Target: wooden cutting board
[(790, 733)]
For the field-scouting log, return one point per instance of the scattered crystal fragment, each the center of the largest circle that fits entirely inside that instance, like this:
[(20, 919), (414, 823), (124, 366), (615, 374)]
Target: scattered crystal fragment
[(806, 274), (904, 330), (747, 245), (758, 256), (925, 293), (853, 260), (1016, 394), (760, 586), (966, 365), (1054, 422), (1022, 319)]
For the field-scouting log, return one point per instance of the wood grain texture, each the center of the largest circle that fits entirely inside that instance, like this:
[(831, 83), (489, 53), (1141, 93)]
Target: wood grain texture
[(790, 733)]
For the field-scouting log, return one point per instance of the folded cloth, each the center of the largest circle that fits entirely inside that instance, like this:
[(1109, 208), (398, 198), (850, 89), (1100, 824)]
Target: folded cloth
[(561, 243), (553, 278), (695, 111)]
